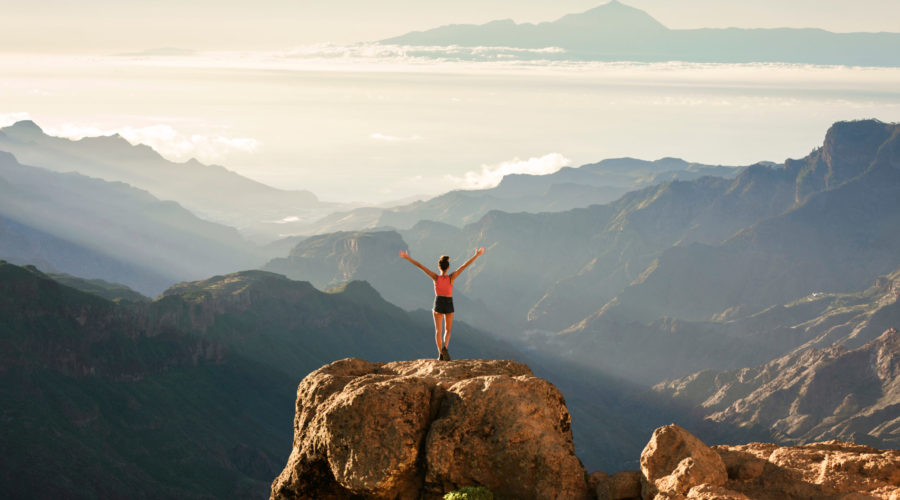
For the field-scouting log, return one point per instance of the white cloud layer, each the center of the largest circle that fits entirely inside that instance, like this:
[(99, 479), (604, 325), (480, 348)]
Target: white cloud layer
[(7, 119), (490, 175), (415, 52), (393, 138), (166, 140)]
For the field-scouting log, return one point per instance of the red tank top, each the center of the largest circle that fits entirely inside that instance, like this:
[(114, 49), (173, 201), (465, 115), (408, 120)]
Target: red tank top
[(443, 286)]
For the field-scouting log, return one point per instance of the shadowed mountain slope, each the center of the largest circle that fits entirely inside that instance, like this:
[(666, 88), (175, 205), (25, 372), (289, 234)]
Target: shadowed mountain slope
[(810, 395), (189, 396), (705, 305), (93, 228), (668, 348), (837, 239), (115, 292), (93, 400)]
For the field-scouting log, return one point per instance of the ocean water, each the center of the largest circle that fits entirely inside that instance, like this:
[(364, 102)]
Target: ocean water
[(373, 123)]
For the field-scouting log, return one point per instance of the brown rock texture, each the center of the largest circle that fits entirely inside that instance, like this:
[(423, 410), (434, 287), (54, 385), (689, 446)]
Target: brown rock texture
[(625, 485), (677, 465), (674, 461), (831, 469), (419, 429)]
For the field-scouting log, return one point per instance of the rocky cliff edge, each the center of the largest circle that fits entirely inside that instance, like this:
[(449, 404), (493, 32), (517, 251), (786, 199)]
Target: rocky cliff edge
[(419, 429), (677, 465)]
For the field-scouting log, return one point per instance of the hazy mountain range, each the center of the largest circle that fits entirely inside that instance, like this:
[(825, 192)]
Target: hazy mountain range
[(565, 189), (102, 208), (674, 257), (617, 32), (552, 270), (210, 191), (88, 227)]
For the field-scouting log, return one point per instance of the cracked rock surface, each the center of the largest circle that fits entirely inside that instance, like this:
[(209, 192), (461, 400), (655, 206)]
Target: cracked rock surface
[(419, 429)]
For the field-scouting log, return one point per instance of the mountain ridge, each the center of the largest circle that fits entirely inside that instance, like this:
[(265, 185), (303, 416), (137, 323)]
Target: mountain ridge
[(617, 32), (113, 158), (811, 395), (568, 188), (637, 264), (824, 217), (93, 228)]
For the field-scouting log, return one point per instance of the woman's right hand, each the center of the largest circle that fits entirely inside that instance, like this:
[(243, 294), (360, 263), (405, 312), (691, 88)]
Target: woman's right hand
[(404, 254), (480, 251)]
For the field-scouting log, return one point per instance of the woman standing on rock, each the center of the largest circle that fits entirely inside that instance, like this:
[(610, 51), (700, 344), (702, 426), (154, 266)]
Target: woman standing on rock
[(443, 297)]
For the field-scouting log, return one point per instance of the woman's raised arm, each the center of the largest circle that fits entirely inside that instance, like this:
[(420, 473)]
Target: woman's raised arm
[(478, 253), (405, 254)]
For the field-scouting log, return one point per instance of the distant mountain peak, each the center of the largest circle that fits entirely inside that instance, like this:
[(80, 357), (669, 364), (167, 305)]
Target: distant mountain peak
[(26, 124), (856, 130), (606, 8), (850, 147), (611, 15), (23, 129)]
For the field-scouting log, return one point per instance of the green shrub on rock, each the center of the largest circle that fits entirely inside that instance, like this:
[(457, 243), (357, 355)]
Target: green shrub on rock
[(470, 493)]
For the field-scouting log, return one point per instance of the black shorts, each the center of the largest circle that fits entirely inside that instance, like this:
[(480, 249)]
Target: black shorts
[(443, 305)]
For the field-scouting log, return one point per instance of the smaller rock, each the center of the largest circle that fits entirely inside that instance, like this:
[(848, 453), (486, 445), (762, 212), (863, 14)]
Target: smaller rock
[(830, 469), (595, 478), (623, 485), (674, 461), (713, 492)]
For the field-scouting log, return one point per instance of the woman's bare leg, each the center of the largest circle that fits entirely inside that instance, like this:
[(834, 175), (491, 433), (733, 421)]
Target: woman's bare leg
[(438, 330), (448, 322)]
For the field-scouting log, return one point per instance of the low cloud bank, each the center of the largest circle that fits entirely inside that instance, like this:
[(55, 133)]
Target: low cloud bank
[(168, 141), (393, 138), (490, 175), (7, 119)]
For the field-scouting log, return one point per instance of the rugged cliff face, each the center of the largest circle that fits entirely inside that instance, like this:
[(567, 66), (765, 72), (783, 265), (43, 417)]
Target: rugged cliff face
[(809, 395), (419, 429)]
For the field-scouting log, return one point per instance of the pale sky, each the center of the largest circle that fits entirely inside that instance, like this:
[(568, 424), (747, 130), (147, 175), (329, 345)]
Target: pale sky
[(115, 25)]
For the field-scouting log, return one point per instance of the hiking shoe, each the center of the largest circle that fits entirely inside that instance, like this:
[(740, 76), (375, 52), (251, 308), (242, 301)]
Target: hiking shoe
[(445, 354), (441, 356)]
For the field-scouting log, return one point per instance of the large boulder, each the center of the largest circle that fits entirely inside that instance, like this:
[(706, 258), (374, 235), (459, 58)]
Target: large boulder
[(675, 461), (419, 429)]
